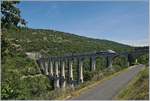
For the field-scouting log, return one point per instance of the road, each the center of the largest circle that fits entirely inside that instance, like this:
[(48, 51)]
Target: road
[(109, 88)]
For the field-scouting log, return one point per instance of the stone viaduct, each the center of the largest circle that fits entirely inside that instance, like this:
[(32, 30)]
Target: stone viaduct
[(54, 66)]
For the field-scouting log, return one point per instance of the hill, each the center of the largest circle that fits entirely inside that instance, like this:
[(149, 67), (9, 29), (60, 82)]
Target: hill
[(21, 77), (56, 42)]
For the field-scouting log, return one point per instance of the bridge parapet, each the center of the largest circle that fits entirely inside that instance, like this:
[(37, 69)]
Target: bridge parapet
[(84, 55)]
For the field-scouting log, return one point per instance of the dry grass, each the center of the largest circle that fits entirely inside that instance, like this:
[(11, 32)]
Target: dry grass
[(137, 89)]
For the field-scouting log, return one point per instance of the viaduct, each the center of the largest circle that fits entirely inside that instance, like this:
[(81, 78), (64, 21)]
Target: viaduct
[(54, 66)]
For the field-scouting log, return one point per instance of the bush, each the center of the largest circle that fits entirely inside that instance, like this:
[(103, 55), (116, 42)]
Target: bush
[(144, 59), (88, 75)]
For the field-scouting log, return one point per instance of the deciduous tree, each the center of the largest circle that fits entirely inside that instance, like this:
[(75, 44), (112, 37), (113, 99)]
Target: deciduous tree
[(11, 14)]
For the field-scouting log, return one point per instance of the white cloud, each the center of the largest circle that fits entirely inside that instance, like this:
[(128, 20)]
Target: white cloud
[(137, 42)]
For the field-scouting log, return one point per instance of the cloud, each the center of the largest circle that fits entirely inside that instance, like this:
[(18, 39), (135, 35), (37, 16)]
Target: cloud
[(136, 42)]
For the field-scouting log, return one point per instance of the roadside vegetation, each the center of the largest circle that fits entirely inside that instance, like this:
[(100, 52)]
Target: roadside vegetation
[(138, 88)]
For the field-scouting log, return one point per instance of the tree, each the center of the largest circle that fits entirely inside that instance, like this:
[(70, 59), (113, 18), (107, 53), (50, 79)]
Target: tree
[(11, 14)]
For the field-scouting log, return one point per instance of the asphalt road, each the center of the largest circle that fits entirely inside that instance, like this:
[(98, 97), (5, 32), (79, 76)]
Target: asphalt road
[(109, 88)]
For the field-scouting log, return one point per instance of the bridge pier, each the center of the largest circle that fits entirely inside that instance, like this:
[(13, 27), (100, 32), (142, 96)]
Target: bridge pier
[(50, 69), (42, 66), (80, 70), (56, 78), (109, 62), (70, 73), (136, 61), (130, 59), (93, 63), (46, 67), (128, 63), (63, 82)]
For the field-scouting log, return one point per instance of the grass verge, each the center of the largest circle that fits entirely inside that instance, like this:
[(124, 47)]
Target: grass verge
[(137, 89)]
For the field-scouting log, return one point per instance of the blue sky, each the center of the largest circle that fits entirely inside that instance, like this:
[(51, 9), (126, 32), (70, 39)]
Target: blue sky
[(124, 22)]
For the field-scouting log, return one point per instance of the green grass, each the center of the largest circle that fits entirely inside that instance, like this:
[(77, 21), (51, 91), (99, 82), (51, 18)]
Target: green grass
[(137, 89)]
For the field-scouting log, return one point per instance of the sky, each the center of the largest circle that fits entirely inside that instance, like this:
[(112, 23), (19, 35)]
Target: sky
[(121, 21)]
